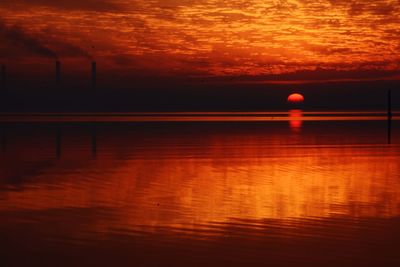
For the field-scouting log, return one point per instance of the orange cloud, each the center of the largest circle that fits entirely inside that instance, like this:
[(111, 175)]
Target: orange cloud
[(219, 38)]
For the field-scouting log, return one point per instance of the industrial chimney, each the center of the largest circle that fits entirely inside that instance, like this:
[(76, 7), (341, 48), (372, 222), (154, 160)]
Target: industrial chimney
[(94, 74), (3, 77), (58, 73)]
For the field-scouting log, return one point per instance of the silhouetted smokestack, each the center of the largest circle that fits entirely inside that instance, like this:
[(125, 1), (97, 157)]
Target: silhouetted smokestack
[(3, 77), (58, 73), (94, 74), (58, 142), (389, 104), (389, 117)]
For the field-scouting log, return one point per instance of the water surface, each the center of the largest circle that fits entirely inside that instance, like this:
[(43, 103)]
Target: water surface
[(291, 192)]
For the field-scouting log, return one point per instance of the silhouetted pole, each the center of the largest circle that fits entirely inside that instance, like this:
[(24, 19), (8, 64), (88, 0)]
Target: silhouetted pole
[(58, 143), (3, 78), (3, 138), (58, 74), (94, 142), (389, 117), (94, 74)]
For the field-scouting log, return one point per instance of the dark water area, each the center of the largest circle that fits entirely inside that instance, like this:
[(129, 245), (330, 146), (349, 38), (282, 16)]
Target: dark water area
[(200, 193)]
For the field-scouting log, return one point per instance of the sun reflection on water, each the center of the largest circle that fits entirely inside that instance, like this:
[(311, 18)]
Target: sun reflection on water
[(295, 119)]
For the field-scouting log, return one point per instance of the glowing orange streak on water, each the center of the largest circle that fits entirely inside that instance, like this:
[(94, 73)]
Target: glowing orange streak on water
[(292, 182), (295, 119)]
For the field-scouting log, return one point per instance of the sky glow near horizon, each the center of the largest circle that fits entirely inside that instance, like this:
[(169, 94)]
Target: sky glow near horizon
[(210, 38)]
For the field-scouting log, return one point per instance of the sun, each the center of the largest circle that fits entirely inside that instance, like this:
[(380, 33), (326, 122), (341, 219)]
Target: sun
[(295, 98)]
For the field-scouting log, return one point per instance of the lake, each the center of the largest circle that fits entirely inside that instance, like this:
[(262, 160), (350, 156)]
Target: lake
[(212, 189)]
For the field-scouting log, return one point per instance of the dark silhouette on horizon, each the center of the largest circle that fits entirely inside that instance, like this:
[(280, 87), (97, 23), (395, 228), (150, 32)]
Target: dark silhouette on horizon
[(3, 135), (94, 74), (3, 78), (58, 74), (58, 142), (389, 116), (101, 92)]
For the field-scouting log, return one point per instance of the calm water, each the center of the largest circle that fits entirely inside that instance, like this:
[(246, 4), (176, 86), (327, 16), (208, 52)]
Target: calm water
[(291, 192)]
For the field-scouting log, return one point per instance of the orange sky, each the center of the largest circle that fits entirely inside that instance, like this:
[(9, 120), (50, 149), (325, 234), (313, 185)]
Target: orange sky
[(251, 38)]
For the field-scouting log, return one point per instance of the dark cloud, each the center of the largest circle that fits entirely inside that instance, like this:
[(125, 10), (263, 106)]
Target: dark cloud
[(65, 49), (93, 5), (373, 7), (18, 37), (309, 76), (384, 9), (332, 74), (328, 49)]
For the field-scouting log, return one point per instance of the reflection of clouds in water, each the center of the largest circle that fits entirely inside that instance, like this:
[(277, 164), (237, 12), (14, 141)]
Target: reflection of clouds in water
[(186, 183)]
